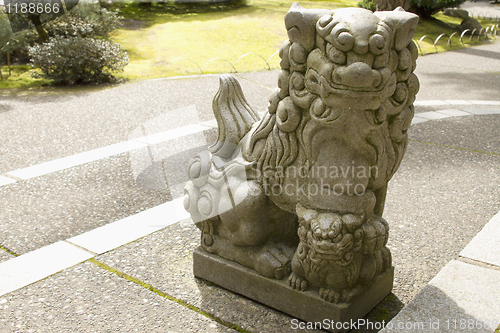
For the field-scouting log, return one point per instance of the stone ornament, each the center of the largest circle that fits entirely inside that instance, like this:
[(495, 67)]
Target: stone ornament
[(299, 194)]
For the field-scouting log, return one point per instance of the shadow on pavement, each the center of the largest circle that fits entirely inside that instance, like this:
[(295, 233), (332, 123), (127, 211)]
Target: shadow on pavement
[(481, 85), (480, 53), (433, 311)]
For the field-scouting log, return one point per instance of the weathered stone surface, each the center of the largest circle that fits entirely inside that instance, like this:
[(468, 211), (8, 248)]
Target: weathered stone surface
[(392, 4), (485, 245), (4, 256), (462, 297), (471, 24), (300, 193), (307, 306), (87, 298), (455, 12)]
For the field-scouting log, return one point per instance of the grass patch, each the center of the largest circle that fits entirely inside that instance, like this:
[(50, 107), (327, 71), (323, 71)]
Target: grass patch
[(218, 38), (447, 25), (170, 44), (163, 42), (20, 78), (8, 251), (164, 295)]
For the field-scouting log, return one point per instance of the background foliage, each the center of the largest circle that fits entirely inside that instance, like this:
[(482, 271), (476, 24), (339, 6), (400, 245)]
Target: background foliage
[(78, 60), (85, 20), (426, 8)]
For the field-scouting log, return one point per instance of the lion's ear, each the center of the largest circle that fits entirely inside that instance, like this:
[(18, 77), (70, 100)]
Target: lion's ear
[(403, 23), (301, 25)]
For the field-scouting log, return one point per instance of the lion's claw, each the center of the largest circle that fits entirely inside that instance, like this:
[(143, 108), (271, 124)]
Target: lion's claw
[(298, 282), (329, 295)]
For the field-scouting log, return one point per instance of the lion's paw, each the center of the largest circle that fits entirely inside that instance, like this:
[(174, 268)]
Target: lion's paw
[(274, 261), (329, 295), (351, 294), (298, 282)]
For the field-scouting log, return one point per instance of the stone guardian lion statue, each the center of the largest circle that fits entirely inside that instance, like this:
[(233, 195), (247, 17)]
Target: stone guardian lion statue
[(300, 193)]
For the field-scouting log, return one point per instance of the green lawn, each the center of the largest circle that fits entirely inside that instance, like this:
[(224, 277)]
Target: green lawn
[(163, 44), (19, 77), (181, 44), (222, 37), (432, 30)]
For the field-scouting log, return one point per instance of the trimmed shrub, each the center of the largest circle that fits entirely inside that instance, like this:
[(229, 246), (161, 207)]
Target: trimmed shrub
[(426, 8), (368, 4), (87, 19), (5, 30), (77, 60)]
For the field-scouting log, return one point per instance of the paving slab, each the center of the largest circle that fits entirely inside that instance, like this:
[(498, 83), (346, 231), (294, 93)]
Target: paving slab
[(465, 74), (47, 209), (87, 298), (433, 115), (4, 256), (478, 132), (426, 106), (165, 261), (74, 160), (56, 123), (439, 199), (454, 82), (417, 120), (481, 111), (6, 180), (461, 298), (116, 234), (458, 102), (484, 247), (455, 112), (36, 265)]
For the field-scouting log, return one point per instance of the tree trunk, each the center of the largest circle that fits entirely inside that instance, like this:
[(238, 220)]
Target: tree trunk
[(8, 64), (35, 19)]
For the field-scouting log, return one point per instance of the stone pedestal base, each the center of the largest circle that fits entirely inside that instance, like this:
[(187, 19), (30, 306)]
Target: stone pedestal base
[(306, 306)]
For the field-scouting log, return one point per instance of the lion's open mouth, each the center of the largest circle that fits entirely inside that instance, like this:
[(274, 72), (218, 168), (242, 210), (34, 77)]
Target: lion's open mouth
[(341, 84), (328, 249)]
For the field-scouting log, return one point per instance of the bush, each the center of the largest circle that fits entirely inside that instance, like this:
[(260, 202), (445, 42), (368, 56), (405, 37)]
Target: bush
[(5, 30), (426, 8), (77, 60), (368, 4), (87, 19)]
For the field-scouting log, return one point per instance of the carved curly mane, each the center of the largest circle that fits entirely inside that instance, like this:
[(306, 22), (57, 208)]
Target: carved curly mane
[(280, 148), (288, 126)]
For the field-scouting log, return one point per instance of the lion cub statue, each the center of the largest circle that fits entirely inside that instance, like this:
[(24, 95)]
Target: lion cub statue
[(300, 193)]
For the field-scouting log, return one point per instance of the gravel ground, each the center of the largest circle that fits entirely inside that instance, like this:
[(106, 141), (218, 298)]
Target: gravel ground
[(86, 298)]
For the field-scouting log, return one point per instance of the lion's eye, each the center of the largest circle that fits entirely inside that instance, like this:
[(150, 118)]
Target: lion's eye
[(377, 44), (335, 55), (345, 41), (324, 20), (312, 80)]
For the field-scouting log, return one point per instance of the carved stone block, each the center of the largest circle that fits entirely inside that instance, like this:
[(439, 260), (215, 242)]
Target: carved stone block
[(299, 194)]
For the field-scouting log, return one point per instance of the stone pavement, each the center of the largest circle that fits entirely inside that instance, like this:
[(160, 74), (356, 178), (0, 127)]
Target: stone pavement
[(94, 237)]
